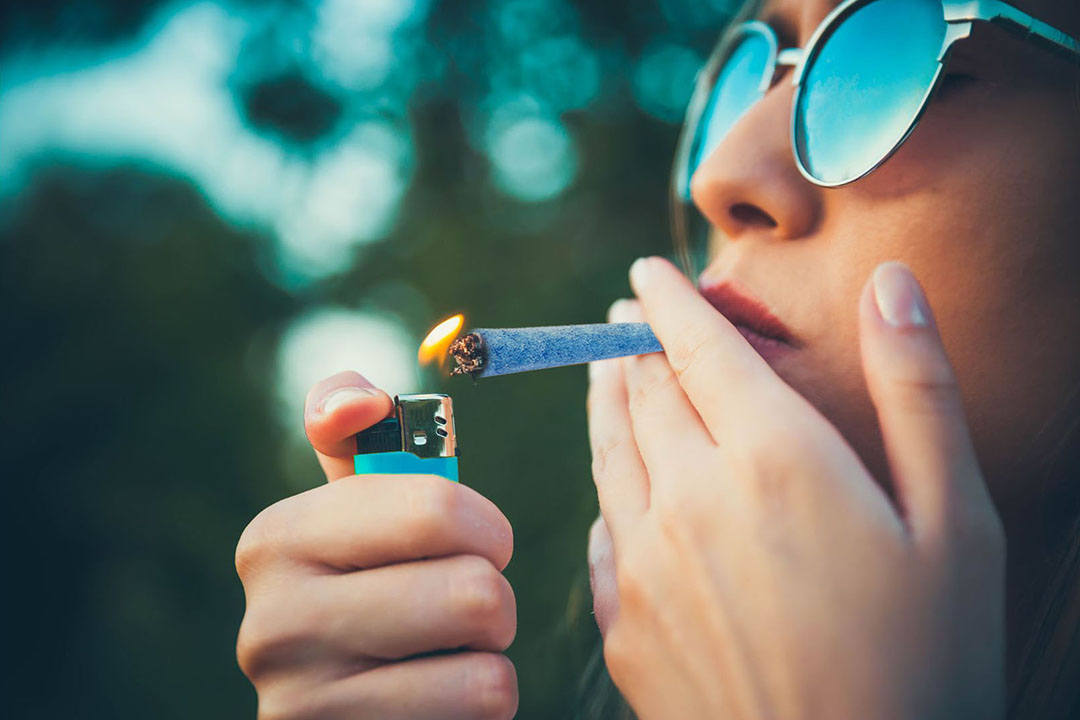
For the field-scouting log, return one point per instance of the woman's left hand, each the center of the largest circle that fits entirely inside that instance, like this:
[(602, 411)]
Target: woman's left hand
[(761, 572)]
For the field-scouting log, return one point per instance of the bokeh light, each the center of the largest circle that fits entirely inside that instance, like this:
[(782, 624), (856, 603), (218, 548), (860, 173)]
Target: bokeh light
[(354, 40), (664, 79), (349, 195), (330, 340), (533, 156)]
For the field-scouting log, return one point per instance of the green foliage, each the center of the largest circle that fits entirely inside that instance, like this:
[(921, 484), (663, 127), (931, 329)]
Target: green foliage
[(138, 341)]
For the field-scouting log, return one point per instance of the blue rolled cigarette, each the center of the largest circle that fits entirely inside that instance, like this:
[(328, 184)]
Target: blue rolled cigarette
[(486, 353)]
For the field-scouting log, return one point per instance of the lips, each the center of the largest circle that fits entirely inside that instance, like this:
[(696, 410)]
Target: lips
[(746, 312)]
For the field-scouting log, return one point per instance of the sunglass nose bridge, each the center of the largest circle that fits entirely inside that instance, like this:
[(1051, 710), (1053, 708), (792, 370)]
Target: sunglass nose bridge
[(789, 58)]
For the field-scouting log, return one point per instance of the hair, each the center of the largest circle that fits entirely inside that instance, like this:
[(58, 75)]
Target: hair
[(1046, 681), (1045, 684)]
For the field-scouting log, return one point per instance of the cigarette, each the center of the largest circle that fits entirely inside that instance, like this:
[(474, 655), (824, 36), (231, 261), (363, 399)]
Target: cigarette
[(486, 353)]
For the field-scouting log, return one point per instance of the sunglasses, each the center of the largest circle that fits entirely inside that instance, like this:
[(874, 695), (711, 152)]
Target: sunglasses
[(862, 83)]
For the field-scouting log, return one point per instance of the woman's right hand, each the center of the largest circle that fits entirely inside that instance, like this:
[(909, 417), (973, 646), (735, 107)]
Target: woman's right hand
[(376, 596)]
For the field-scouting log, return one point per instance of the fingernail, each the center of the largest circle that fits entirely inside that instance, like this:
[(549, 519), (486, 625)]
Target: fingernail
[(639, 271), (899, 299), (343, 396), (596, 369), (599, 544), (617, 310)]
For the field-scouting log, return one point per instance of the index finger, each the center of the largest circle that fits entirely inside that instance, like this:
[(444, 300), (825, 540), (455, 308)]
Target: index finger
[(715, 364)]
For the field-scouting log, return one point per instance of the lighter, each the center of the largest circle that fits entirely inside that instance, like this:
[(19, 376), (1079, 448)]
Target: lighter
[(419, 438)]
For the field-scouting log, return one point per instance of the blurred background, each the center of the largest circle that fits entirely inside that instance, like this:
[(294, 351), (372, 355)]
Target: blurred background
[(206, 207)]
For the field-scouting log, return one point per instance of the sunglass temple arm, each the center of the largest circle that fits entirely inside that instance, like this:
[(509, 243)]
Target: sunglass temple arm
[(1014, 21)]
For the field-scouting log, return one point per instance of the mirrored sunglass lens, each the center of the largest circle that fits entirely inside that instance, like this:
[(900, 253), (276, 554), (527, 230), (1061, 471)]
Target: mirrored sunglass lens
[(737, 87), (863, 89)]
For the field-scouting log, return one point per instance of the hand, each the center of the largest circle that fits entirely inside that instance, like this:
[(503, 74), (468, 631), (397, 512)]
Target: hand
[(761, 572), (356, 589)]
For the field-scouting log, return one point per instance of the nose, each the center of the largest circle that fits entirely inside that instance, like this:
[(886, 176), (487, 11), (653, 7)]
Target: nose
[(750, 185)]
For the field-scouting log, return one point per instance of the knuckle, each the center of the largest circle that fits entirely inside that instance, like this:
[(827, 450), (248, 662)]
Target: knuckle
[(506, 628), (271, 638), (275, 706), (499, 624), (765, 467), (501, 549), (476, 591), (258, 649), (674, 508), (432, 504), (675, 517), (769, 483), (604, 451), (643, 391), (931, 392), (282, 704), (247, 650), (260, 541), (618, 653), (689, 352), (492, 681), (631, 584)]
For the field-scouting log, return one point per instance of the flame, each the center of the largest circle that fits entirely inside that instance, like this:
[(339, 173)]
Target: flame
[(438, 340)]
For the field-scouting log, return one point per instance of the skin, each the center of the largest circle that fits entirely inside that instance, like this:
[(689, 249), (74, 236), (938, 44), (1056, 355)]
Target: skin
[(760, 570), (355, 590), (1003, 142), (819, 537)]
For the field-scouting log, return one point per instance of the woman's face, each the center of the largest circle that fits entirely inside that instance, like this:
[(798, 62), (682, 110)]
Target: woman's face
[(982, 202)]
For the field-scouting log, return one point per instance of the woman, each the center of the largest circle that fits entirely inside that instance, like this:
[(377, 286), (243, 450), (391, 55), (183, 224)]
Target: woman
[(805, 498)]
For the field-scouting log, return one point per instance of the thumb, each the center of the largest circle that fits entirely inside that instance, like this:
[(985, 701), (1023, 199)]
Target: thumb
[(335, 410), (934, 470)]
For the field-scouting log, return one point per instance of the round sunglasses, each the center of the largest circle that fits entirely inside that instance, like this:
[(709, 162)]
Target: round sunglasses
[(862, 83)]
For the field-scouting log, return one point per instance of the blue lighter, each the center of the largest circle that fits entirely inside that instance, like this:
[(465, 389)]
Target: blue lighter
[(418, 438)]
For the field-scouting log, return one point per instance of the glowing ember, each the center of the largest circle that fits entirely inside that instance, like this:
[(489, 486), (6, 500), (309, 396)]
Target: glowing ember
[(439, 339)]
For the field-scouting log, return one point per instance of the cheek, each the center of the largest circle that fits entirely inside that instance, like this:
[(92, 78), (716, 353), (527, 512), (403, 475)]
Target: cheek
[(830, 376), (1018, 371), (994, 245)]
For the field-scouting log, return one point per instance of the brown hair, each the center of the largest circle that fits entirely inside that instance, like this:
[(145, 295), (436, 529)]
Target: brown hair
[(1046, 681)]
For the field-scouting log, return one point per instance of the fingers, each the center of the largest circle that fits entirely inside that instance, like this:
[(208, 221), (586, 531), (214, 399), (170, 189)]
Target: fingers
[(335, 410), (461, 686), (440, 604), (717, 368), (665, 423), (362, 619), (930, 453), (622, 484), (368, 521)]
